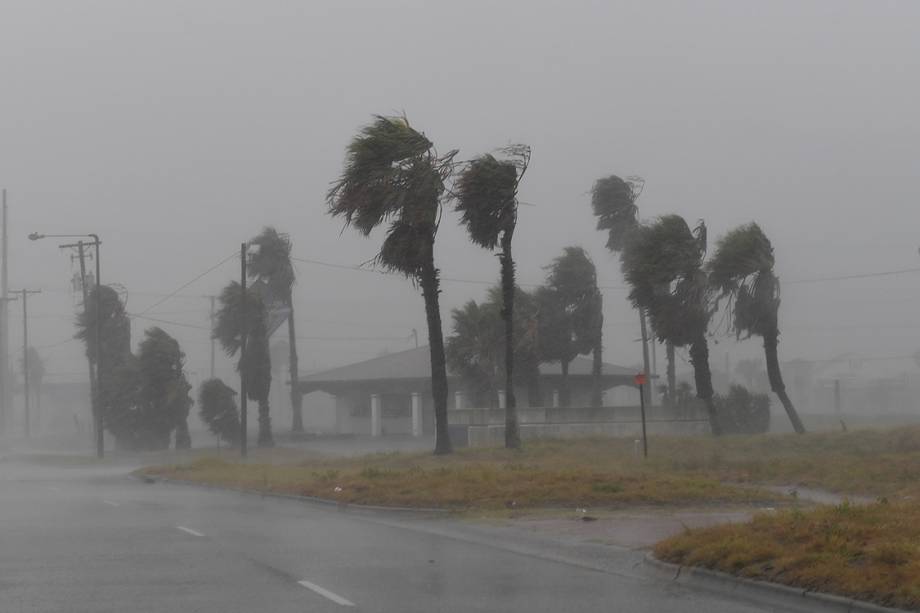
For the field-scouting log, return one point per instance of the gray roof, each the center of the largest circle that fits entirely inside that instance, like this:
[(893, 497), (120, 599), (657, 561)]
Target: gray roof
[(416, 364)]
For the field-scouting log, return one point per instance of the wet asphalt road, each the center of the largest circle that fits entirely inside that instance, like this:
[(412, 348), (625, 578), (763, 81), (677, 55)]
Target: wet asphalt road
[(93, 539)]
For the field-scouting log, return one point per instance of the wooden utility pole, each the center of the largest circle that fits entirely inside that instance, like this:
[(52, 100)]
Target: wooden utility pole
[(25, 353), (243, 331), (80, 246), (4, 325), (645, 358)]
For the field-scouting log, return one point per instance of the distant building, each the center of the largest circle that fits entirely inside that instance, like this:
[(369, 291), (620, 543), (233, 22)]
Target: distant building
[(397, 388)]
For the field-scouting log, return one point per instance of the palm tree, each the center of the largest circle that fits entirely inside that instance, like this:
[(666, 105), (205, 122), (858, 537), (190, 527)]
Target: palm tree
[(663, 265), (613, 201), (271, 262), (255, 365), (570, 316), (218, 410), (163, 391), (393, 174), (487, 200), (742, 271), (473, 349)]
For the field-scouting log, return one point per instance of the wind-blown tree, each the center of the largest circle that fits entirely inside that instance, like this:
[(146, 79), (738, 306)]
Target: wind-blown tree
[(164, 401), (475, 349), (663, 265), (741, 270), (486, 194), (255, 366), (217, 408), (117, 403), (271, 262), (393, 173), (570, 315), (613, 201)]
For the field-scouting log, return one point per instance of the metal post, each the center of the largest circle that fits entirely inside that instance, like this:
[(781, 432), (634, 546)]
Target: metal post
[(243, 330), (642, 411), (645, 357)]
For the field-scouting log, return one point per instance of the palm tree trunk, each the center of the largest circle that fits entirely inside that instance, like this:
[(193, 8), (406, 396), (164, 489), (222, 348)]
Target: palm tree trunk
[(564, 384), (672, 372), (265, 424), (699, 357), (428, 279), (296, 395), (770, 343), (597, 366), (512, 433), (183, 438)]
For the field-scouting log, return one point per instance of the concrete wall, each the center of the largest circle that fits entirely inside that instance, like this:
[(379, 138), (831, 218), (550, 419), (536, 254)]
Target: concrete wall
[(494, 435)]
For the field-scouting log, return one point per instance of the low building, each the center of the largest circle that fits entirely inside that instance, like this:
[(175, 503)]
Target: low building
[(391, 394)]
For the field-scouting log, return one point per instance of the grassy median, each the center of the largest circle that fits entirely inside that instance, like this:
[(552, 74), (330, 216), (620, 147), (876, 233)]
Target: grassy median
[(869, 552)]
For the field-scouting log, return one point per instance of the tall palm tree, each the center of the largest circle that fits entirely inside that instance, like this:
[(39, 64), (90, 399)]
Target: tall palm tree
[(570, 316), (663, 265), (163, 390), (742, 271), (255, 366), (486, 193), (393, 174), (271, 262)]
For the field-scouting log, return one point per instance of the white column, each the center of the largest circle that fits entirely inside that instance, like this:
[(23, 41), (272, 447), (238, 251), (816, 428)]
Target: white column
[(555, 399), (501, 399), (416, 414), (375, 414), (458, 399)]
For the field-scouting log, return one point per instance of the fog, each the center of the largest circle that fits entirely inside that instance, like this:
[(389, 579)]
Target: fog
[(176, 130)]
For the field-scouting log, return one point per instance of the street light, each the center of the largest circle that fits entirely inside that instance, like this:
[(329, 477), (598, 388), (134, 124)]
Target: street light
[(97, 401)]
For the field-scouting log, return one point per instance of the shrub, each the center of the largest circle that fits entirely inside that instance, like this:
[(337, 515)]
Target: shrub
[(218, 410), (741, 412)]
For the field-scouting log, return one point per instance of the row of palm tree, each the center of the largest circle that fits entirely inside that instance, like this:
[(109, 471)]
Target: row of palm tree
[(664, 264)]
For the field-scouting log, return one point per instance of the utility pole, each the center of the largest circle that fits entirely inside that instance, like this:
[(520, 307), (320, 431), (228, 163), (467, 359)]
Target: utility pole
[(25, 353), (81, 255), (4, 324), (645, 358), (243, 331), (212, 335)]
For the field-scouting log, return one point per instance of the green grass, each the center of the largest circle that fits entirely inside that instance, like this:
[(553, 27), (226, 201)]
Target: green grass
[(867, 552)]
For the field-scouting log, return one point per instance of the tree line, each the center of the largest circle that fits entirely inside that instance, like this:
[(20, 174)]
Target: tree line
[(394, 176)]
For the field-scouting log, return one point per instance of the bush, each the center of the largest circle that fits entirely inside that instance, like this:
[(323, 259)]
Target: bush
[(741, 412), (218, 410)]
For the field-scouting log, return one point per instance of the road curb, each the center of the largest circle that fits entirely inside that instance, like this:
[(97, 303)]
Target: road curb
[(325, 502), (763, 590)]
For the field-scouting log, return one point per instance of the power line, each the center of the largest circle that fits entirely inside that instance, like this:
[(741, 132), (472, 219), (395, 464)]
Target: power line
[(866, 275), (184, 285)]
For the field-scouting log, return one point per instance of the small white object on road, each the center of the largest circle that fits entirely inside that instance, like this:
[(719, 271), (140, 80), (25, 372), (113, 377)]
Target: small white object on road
[(326, 594), (111, 503), (54, 489), (189, 531)]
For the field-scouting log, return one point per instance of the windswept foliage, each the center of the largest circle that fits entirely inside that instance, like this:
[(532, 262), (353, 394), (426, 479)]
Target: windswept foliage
[(741, 271), (163, 400), (570, 312), (255, 365), (392, 174), (217, 408), (613, 201), (487, 201), (270, 261), (663, 265)]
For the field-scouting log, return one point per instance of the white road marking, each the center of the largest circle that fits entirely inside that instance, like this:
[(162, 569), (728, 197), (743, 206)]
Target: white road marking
[(327, 594), (54, 489), (189, 531), (111, 503)]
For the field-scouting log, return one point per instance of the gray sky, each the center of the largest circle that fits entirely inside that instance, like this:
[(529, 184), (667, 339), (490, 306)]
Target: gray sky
[(177, 129)]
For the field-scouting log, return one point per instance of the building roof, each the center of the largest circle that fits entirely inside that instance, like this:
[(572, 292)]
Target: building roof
[(416, 364)]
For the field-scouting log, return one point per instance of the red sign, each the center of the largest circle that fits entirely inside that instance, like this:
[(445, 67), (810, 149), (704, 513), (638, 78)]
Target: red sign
[(640, 378)]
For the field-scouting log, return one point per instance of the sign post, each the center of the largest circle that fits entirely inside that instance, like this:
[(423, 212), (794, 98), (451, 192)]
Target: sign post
[(640, 381)]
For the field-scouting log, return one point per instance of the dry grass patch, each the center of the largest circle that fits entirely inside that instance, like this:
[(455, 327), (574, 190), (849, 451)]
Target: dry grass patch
[(867, 552), (546, 474)]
